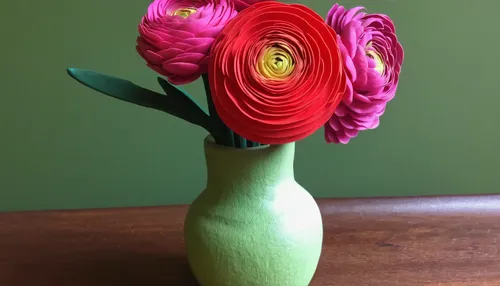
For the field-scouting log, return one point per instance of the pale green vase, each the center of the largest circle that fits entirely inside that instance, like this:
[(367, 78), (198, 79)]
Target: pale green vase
[(253, 224)]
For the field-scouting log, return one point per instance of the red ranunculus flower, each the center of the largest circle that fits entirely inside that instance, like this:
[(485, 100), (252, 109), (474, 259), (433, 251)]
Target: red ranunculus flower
[(276, 73)]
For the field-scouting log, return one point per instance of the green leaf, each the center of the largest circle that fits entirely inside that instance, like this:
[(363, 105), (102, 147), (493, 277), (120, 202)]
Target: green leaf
[(183, 97), (177, 103), (221, 133)]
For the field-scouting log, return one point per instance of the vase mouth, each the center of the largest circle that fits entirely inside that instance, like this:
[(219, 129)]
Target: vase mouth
[(226, 165), (210, 143)]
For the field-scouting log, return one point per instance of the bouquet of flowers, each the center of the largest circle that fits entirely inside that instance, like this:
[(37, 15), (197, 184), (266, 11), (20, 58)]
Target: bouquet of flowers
[(274, 73)]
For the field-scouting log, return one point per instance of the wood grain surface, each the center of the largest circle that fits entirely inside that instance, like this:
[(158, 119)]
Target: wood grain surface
[(386, 241)]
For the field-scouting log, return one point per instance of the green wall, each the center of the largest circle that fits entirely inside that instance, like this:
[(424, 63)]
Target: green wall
[(65, 146)]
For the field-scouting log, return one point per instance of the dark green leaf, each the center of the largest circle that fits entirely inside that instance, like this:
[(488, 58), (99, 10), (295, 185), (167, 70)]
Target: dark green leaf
[(177, 102)]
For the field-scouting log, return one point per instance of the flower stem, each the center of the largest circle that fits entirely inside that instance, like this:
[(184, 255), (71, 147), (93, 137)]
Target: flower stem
[(239, 141), (221, 133)]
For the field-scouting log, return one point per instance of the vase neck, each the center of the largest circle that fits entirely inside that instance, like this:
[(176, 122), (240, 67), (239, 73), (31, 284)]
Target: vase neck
[(232, 166)]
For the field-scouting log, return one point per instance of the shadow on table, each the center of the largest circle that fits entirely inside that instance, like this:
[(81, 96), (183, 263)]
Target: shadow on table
[(110, 268), (138, 269)]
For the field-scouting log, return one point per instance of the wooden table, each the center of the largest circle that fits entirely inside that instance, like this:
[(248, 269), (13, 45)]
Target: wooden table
[(389, 241)]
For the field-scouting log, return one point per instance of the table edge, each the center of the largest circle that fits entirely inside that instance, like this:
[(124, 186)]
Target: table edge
[(442, 204)]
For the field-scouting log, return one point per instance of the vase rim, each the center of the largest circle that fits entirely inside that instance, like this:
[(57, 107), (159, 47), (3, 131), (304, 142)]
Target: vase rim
[(210, 142)]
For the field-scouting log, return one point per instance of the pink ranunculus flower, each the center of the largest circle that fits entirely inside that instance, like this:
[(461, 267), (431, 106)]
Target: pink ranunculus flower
[(175, 36), (372, 58), (243, 4)]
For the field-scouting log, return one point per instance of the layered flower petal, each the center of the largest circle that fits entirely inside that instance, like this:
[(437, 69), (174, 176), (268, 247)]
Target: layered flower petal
[(372, 58), (243, 4), (276, 73), (175, 36)]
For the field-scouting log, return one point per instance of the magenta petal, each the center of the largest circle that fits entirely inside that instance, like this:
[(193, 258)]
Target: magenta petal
[(179, 34), (336, 18), (351, 132), (363, 125), (361, 107), (349, 66), (180, 80), (330, 13), (163, 45), (349, 93), (178, 47), (181, 69), (375, 123), (143, 45), (193, 42), (158, 70), (349, 39), (201, 48), (243, 4), (369, 91), (371, 63), (359, 97), (330, 137), (374, 79), (361, 64), (347, 122), (341, 110), (170, 53), (343, 138), (153, 57), (210, 32), (363, 119), (334, 123), (188, 58), (149, 36), (349, 15)]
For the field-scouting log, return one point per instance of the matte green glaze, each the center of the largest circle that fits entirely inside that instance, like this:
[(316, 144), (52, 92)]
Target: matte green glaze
[(253, 224)]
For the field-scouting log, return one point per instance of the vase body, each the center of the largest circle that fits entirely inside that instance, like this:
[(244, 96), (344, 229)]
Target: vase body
[(253, 225)]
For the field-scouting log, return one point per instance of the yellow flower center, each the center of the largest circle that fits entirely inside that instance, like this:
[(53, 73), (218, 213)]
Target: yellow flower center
[(184, 12), (275, 62), (379, 63)]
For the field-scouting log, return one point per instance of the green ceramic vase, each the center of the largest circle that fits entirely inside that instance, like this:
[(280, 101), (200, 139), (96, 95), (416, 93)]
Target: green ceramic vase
[(253, 225)]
